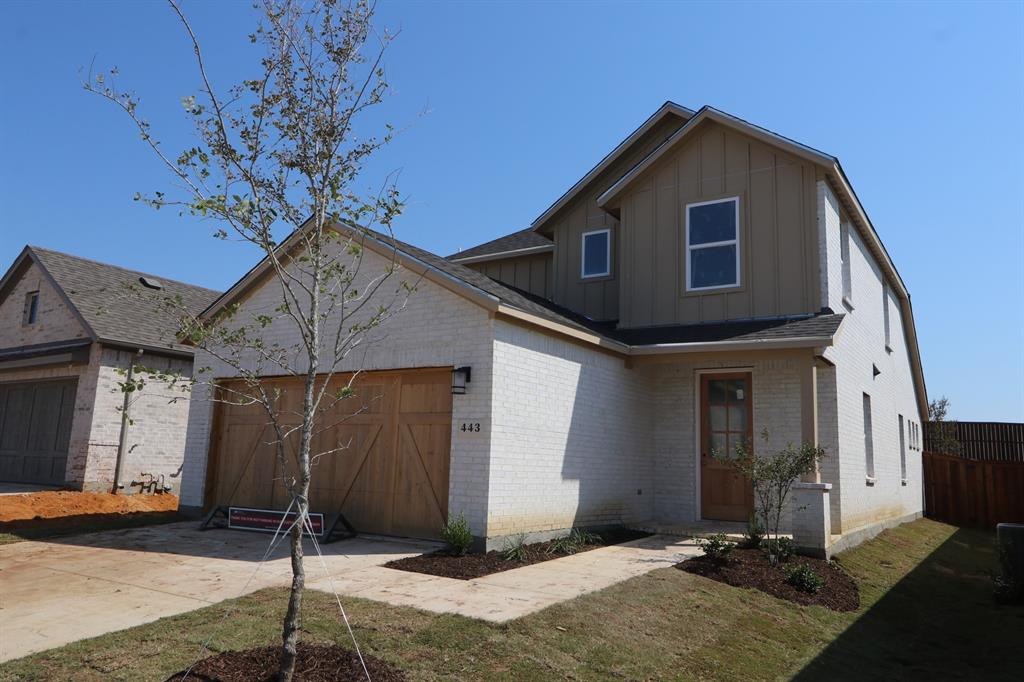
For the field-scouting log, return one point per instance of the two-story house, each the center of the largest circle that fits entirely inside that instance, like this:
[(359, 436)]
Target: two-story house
[(708, 281)]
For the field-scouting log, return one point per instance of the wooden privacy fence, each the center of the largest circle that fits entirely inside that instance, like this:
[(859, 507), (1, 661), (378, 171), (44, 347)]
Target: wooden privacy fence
[(998, 441), (966, 492)]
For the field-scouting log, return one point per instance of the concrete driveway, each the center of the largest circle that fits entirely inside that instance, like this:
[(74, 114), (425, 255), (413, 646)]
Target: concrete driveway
[(62, 590)]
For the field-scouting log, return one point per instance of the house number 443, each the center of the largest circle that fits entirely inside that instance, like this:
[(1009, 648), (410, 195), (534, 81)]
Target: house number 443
[(470, 427)]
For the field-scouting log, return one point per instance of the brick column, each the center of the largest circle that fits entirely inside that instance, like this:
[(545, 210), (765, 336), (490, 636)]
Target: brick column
[(812, 523), (809, 409)]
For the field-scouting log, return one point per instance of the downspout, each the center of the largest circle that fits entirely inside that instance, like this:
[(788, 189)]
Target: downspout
[(122, 441)]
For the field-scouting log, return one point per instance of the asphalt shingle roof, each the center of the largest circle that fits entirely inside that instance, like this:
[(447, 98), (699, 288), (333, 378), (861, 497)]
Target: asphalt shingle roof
[(523, 239), (116, 306)]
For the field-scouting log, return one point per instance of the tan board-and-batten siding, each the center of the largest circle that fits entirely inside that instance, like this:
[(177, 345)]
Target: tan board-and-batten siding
[(530, 273), (597, 298), (778, 232)]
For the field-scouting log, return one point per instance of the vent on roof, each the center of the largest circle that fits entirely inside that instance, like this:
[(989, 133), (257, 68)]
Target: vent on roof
[(151, 283)]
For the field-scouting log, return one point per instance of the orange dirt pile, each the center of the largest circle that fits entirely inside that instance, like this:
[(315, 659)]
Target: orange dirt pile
[(53, 504)]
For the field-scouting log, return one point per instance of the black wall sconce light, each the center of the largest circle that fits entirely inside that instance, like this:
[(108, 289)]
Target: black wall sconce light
[(460, 377)]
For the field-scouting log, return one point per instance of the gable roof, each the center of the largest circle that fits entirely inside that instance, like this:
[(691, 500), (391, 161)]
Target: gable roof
[(666, 109), (521, 243), (111, 312), (836, 176)]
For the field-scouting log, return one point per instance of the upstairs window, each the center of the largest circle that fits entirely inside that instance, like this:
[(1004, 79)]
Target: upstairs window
[(597, 254), (885, 316), (844, 255), (713, 244), (31, 308)]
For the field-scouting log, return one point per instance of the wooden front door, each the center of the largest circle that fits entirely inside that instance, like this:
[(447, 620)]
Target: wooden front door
[(726, 420), (385, 453)]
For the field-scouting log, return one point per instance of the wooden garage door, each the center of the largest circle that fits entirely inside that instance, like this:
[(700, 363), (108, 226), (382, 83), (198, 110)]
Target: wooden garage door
[(35, 429), (387, 453)]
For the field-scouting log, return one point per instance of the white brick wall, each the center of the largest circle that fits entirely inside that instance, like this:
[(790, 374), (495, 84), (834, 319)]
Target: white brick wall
[(55, 321), (861, 345), (435, 329), (776, 389), (571, 438), (156, 435)]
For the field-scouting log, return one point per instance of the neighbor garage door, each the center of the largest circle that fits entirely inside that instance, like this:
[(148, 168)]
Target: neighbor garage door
[(386, 452), (35, 428)]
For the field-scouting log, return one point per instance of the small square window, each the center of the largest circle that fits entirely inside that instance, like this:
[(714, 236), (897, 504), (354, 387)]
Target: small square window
[(597, 254), (712, 244), (31, 308)]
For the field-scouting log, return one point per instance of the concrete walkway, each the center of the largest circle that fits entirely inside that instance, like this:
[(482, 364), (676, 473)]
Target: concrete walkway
[(63, 590)]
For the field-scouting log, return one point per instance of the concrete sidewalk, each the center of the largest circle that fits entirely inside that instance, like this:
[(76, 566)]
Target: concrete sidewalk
[(63, 590)]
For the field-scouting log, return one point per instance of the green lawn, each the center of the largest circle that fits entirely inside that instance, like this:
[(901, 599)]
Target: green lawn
[(926, 613)]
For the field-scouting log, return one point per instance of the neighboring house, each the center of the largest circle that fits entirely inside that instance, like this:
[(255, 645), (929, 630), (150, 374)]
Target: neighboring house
[(706, 282), (69, 330)]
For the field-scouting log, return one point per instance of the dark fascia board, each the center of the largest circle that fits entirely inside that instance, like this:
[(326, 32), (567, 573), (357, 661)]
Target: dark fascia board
[(38, 349), (146, 348)]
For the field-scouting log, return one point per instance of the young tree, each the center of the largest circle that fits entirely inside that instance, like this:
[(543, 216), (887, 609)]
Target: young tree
[(941, 431), (280, 152), (773, 475)]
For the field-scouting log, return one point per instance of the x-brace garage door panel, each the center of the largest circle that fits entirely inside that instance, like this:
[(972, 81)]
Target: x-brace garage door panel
[(381, 456)]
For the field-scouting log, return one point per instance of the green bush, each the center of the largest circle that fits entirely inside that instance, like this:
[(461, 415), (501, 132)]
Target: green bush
[(456, 534), (575, 541), (754, 535), (716, 547), (515, 548), (779, 549), (804, 578)]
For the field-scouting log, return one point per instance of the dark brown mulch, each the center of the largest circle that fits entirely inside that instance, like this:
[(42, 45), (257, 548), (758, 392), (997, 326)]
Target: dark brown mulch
[(316, 663), (750, 568), (469, 566)]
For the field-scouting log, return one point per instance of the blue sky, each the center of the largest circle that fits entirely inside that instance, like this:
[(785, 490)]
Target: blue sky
[(504, 105)]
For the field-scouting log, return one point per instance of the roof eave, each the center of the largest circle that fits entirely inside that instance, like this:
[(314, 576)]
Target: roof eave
[(499, 255)]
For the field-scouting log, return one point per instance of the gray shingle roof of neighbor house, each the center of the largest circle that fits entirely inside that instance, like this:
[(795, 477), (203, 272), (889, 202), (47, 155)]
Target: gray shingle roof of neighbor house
[(115, 306), (522, 242)]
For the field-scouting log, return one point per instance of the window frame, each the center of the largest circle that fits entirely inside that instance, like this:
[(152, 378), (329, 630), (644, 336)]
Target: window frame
[(886, 322), (30, 314), (845, 264), (688, 248), (869, 439), (608, 254), (904, 437)]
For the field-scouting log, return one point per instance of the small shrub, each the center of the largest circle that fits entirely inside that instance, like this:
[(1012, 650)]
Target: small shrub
[(804, 578), (575, 541), (456, 534), (779, 549), (754, 535), (716, 547), (515, 548)]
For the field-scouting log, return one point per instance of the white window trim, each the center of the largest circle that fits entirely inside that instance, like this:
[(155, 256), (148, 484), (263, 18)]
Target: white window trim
[(728, 242), (583, 255), (845, 264)]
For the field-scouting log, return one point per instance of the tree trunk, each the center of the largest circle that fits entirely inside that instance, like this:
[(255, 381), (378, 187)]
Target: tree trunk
[(293, 619)]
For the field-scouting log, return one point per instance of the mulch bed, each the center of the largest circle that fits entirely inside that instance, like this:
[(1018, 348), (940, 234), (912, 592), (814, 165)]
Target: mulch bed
[(750, 568), (469, 566), (316, 663)]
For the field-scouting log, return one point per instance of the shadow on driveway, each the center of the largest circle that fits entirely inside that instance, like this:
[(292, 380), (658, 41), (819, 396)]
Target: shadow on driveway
[(938, 623)]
